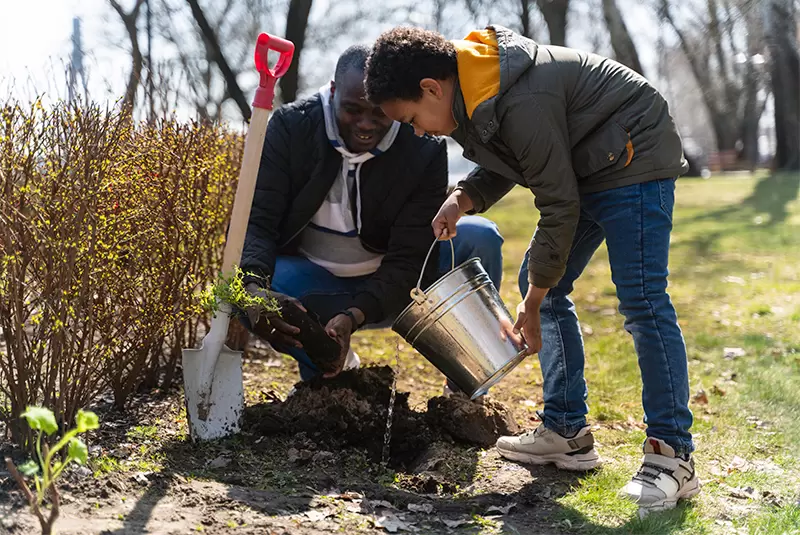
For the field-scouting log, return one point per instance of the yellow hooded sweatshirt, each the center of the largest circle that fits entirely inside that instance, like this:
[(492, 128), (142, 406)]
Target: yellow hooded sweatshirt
[(478, 60)]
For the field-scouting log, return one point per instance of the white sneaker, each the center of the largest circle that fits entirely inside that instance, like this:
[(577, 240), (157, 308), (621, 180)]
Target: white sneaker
[(544, 446), (663, 479)]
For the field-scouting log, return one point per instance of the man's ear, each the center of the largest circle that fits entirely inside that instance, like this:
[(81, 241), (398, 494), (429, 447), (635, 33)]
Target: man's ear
[(333, 87), (432, 86)]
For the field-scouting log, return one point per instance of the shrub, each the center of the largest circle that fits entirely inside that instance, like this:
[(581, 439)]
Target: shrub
[(109, 231)]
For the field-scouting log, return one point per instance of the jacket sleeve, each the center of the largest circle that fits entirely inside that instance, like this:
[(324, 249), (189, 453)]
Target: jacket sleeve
[(535, 130), (484, 188), (387, 291), (270, 202)]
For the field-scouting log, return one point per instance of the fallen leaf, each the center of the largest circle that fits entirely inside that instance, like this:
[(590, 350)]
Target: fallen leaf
[(587, 330), (317, 515), (731, 353), (381, 503), (393, 524), (608, 312), (746, 493), (717, 391), (454, 523), (350, 496), (502, 510), (220, 462), (272, 363), (700, 397), (355, 507), (737, 464), (426, 508)]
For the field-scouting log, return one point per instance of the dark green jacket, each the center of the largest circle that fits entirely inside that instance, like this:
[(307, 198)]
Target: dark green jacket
[(563, 123)]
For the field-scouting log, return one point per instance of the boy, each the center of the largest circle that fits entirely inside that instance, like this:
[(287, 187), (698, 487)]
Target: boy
[(596, 145)]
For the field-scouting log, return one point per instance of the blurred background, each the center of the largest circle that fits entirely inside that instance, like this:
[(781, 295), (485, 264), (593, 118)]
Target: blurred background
[(729, 68)]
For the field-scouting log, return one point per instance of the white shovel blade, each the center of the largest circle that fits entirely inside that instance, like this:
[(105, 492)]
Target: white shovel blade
[(226, 404)]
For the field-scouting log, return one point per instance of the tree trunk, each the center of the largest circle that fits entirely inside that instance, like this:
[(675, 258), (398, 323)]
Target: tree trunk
[(555, 16), (296, 25), (621, 42), (227, 73), (137, 61), (525, 18), (785, 66)]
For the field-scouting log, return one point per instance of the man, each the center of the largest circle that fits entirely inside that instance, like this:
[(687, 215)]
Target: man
[(597, 147), (341, 215)]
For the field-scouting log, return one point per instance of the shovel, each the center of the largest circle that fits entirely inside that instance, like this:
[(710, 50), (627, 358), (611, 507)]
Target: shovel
[(212, 375)]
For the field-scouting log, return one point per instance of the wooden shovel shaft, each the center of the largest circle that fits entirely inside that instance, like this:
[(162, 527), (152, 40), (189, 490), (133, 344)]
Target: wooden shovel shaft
[(245, 190)]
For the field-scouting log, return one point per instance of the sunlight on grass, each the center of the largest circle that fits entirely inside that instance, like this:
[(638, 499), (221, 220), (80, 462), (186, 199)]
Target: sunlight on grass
[(735, 282)]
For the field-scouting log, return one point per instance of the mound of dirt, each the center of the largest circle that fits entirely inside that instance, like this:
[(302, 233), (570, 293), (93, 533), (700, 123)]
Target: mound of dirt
[(351, 411), (478, 422)]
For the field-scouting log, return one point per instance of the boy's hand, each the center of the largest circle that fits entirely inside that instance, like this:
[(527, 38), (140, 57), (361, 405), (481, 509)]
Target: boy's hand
[(528, 320), (444, 224)]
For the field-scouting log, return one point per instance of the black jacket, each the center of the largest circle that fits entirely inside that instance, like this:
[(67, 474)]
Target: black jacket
[(401, 191)]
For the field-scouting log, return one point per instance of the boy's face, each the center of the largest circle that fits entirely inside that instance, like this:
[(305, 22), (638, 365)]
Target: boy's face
[(361, 124), (431, 114)]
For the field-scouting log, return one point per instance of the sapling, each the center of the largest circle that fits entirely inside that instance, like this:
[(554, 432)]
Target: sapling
[(231, 290), (43, 422)]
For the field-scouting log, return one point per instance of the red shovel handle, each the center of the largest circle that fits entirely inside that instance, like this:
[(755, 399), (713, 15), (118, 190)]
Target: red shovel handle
[(265, 92)]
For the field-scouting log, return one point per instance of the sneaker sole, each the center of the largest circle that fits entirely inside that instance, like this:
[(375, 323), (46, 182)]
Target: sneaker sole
[(692, 488), (574, 463)]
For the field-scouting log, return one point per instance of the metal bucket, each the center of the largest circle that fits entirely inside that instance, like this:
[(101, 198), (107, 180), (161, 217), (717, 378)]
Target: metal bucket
[(462, 327)]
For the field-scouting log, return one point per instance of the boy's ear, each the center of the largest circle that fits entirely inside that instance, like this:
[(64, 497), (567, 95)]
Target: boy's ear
[(432, 86), (333, 87)]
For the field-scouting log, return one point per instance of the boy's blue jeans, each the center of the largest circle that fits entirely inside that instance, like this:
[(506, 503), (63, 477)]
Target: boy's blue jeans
[(636, 222), (326, 294)]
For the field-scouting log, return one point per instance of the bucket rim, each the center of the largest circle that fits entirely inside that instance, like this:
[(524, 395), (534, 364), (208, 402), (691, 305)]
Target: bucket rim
[(433, 287), (498, 376)]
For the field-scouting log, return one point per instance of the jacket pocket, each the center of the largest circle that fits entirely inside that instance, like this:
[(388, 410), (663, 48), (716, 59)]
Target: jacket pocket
[(609, 146)]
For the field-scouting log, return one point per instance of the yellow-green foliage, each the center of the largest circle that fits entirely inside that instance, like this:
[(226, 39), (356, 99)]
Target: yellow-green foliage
[(109, 231)]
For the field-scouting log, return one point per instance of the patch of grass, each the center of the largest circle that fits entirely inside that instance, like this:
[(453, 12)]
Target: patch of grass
[(142, 433), (775, 520)]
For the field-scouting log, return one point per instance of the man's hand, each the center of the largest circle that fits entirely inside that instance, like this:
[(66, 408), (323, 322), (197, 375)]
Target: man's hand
[(444, 224), (528, 320), (269, 325), (341, 328)]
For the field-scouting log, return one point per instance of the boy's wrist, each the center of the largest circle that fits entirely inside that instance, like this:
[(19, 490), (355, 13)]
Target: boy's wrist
[(464, 200)]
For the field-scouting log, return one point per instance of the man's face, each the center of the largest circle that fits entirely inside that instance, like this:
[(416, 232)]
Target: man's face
[(431, 114), (361, 124)]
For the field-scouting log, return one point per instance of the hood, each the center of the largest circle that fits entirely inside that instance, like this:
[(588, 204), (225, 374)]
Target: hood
[(489, 62)]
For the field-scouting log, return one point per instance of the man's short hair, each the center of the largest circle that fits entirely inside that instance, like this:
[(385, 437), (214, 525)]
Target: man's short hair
[(354, 58), (402, 57)]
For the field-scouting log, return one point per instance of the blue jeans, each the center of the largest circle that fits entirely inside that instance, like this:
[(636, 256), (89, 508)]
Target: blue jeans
[(325, 293), (636, 222)]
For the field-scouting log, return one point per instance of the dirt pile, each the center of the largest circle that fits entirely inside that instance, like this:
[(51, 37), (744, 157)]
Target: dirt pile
[(351, 411)]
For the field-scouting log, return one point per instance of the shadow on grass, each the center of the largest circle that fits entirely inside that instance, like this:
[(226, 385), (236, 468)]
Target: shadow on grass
[(757, 222), (662, 523)]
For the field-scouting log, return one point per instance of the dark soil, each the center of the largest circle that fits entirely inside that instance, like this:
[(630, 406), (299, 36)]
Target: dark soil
[(351, 411)]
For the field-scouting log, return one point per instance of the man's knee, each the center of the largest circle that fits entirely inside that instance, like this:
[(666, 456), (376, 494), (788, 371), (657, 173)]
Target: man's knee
[(480, 232)]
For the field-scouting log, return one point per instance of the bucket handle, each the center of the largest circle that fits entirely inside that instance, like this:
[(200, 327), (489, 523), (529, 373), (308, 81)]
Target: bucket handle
[(417, 294)]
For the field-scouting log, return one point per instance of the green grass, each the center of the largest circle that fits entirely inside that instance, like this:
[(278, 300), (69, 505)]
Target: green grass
[(735, 281)]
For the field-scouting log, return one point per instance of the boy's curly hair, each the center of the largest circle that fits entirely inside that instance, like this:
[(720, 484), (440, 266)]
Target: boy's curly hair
[(403, 56)]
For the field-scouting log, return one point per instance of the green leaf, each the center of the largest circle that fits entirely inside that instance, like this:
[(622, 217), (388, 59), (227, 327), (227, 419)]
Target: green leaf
[(78, 450), (29, 469), (86, 421), (41, 419)]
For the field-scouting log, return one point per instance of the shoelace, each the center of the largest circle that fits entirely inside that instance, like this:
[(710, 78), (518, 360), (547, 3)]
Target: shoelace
[(649, 478)]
